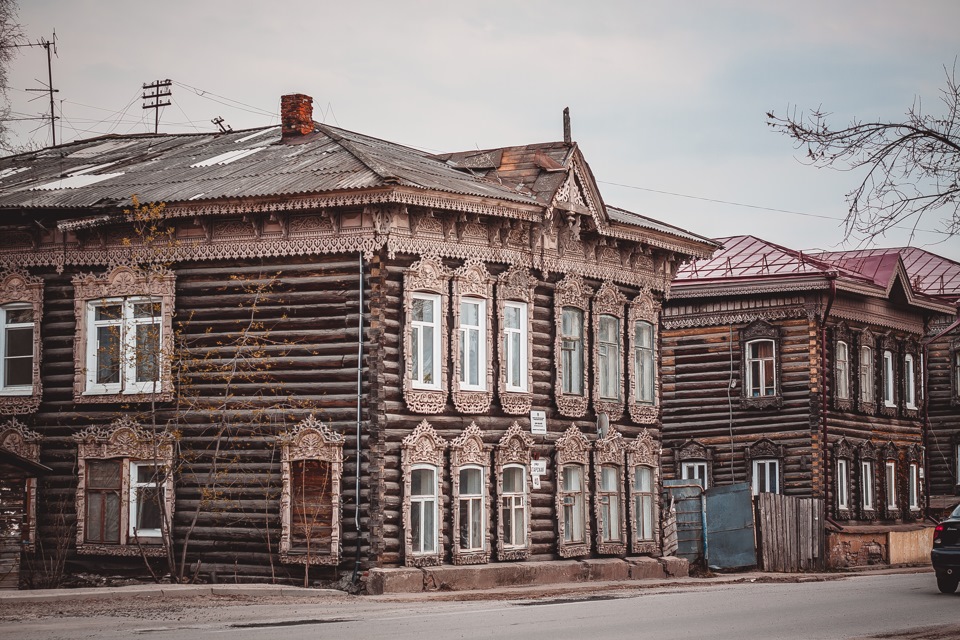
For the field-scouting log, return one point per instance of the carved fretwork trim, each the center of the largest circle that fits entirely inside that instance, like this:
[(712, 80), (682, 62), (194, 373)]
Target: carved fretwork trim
[(472, 280), (696, 451), (127, 440), (515, 284), (430, 276), (609, 451), (889, 343), (571, 292), (867, 339), (954, 366), (515, 447), (841, 333), (766, 449), (120, 283), (310, 440), (842, 449), (757, 330), (718, 319), (422, 447), (468, 450), (16, 438), (20, 288), (573, 448), (644, 452), (608, 301), (643, 308)]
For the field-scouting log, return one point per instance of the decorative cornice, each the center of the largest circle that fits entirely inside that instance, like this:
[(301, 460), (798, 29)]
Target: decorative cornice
[(16, 438)]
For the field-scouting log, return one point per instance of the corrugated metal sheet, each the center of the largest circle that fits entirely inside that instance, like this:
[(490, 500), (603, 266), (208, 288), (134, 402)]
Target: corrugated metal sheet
[(623, 216), (751, 257), (929, 273)]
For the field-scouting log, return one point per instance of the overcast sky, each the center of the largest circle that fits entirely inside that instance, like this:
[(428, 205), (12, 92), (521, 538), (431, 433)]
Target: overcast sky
[(665, 96)]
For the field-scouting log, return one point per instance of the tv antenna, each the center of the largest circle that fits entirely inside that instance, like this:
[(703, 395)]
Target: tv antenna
[(160, 89), (51, 47)]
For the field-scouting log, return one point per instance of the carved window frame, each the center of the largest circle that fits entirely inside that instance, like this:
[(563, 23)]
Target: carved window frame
[(571, 292), (891, 455), (125, 440), (643, 451), (573, 448), (23, 290), (843, 455), (610, 451), (911, 381), (312, 440), (914, 465), (469, 451), (756, 331), (429, 276), (694, 451), (888, 347), (472, 281), (16, 438), (122, 283), (514, 449), (843, 336), (955, 373), (643, 308), (765, 449), (867, 341), (608, 301), (867, 462), (422, 448), (515, 285)]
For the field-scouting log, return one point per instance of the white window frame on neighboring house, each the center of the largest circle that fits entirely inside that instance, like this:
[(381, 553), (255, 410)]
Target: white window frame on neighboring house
[(843, 484), (757, 386), (766, 476), (866, 374), (473, 366), (695, 470), (842, 357), (889, 399), (890, 477), (515, 345), (422, 378), (909, 382), (867, 490)]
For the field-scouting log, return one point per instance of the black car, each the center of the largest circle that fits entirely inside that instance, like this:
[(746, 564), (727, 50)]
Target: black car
[(945, 555)]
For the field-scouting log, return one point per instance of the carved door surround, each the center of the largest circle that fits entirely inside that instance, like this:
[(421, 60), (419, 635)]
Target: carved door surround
[(643, 451), (515, 284), (430, 276), (573, 448), (474, 281), (468, 450), (571, 292), (423, 446), (644, 307), (311, 439), (515, 447), (610, 450)]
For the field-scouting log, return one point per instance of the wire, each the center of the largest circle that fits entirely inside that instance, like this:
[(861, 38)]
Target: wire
[(206, 94)]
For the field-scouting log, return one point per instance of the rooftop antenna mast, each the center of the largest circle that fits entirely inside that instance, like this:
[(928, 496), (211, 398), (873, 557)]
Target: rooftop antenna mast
[(160, 89), (51, 47)]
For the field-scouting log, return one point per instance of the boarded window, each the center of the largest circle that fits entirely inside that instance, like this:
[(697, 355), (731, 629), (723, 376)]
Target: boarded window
[(311, 506)]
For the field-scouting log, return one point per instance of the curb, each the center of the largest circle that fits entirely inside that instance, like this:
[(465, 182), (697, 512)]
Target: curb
[(163, 591)]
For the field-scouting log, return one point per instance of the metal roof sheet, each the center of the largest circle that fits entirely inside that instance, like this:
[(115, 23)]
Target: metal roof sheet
[(616, 214), (929, 273)]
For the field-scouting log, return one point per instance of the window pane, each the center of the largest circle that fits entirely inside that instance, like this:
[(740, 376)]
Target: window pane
[(514, 363), (18, 316), (148, 507), (427, 365), (18, 372), (421, 482), (470, 481), (511, 317), (644, 334), (609, 479), (643, 480), (513, 480), (609, 328), (108, 312), (422, 310), (146, 310), (103, 474), (474, 338), (519, 523), (108, 355), (571, 478), (148, 352), (572, 322), (768, 378), (429, 526), (470, 313), (19, 342)]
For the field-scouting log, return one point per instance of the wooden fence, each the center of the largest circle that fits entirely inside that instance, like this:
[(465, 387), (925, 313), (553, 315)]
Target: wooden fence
[(790, 533)]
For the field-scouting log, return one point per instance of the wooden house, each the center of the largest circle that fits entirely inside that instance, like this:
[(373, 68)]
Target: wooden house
[(328, 349), (801, 375)]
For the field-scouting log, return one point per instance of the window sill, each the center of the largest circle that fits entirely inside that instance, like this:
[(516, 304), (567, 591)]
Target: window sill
[(19, 405), (90, 397), (761, 402), (151, 549), (16, 391), (311, 559)]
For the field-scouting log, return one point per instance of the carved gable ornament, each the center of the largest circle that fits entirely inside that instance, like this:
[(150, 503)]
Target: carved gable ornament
[(842, 449), (571, 292), (608, 301), (24, 290), (472, 280), (515, 284), (430, 276), (16, 438), (468, 450)]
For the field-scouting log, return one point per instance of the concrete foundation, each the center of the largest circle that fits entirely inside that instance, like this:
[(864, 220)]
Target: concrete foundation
[(860, 546)]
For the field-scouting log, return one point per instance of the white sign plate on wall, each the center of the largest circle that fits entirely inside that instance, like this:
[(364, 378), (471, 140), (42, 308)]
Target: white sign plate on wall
[(536, 482), (538, 422), (538, 468)]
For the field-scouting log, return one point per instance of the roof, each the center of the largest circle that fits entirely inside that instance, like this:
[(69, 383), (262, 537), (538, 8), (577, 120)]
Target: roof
[(929, 273), (622, 216)]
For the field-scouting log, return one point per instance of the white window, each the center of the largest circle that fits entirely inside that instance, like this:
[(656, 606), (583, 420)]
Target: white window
[(843, 370), (766, 476), (891, 484), (646, 369), (887, 380), (914, 486), (610, 503), (572, 495), (16, 349), (423, 509), (513, 506), (695, 470), (608, 357), (843, 484), (866, 485), (473, 344), (425, 340), (909, 382), (761, 369), (472, 515), (571, 348), (515, 345), (643, 502), (866, 374), (123, 345), (146, 499)]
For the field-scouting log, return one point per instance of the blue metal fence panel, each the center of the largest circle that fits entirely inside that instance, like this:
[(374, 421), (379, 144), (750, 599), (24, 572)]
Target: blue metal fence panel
[(687, 498), (730, 538)]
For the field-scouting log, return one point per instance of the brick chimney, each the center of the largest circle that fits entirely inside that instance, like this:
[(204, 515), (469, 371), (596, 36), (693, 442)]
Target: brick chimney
[(296, 116)]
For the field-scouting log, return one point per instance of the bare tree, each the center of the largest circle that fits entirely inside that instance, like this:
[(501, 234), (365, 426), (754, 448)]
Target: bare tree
[(912, 165), (10, 36)]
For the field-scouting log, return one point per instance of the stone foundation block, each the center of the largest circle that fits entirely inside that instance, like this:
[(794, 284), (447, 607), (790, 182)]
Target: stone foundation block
[(675, 567), (399, 580), (645, 569), (606, 569), (555, 571)]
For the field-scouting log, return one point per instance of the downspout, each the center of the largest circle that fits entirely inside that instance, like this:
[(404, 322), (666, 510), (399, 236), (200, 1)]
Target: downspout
[(356, 510), (824, 402)]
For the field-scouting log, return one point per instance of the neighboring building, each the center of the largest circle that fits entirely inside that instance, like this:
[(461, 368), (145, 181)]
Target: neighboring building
[(939, 278), (200, 373), (800, 376)]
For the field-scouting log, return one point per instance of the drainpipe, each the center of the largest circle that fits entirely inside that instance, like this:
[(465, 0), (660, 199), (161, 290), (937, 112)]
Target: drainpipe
[(824, 401), (356, 510)]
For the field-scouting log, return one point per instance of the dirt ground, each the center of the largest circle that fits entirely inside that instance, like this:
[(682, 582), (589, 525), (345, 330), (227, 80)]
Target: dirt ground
[(951, 632)]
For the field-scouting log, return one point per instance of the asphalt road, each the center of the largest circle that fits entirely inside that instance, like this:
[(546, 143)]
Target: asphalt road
[(852, 607)]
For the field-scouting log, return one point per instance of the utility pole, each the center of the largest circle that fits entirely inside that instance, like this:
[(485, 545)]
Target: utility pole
[(161, 89), (51, 47)]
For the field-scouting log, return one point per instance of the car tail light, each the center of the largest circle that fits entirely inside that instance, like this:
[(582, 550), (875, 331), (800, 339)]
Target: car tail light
[(936, 534)]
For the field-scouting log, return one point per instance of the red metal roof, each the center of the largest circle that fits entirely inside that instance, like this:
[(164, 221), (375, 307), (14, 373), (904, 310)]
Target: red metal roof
[(929, 273)]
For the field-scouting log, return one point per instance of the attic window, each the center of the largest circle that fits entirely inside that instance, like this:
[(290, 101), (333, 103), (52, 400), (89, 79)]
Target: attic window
[(227, 158)]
